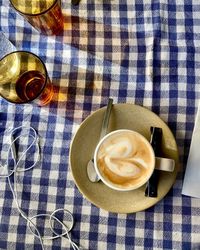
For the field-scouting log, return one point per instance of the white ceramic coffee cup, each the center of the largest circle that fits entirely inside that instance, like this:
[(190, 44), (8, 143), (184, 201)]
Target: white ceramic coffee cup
[(124, 160)]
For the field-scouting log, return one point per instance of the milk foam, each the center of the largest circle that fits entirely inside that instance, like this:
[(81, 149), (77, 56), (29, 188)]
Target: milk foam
[(124, 158)]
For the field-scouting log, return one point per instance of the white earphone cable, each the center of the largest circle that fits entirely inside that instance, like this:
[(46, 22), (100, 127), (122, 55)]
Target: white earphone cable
[(13, 188)]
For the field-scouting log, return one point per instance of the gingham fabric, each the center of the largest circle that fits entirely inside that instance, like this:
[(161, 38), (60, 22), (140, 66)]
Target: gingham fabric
[(142, 52)]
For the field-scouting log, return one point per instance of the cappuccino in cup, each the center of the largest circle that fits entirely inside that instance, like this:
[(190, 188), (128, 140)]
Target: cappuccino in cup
[(124, 160)]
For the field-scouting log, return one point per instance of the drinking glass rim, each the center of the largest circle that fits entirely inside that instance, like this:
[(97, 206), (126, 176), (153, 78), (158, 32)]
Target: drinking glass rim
[(37, 14), (46, 76)]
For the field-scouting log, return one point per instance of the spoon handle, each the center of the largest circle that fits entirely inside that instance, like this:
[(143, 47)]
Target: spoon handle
[(106, 118)]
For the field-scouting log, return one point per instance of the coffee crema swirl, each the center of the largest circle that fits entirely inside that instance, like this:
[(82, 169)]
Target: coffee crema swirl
[(124, 159)]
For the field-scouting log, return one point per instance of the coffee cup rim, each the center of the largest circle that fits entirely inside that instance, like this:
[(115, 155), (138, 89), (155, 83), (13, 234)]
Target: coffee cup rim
[(113, 186)]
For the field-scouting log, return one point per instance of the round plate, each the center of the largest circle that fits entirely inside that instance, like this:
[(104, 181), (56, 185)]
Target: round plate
[(123, 116)]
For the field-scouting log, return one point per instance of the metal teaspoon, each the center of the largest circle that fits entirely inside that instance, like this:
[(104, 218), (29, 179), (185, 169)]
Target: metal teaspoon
[(91, 172)]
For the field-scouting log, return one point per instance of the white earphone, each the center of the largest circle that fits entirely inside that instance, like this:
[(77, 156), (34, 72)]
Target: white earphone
[(7, 173)]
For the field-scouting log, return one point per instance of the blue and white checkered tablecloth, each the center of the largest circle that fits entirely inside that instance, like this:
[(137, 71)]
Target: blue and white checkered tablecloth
[(142, 52)]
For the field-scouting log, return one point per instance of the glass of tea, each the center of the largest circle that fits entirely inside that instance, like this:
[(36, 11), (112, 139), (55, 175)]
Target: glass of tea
[(45, 15), (24, 78)]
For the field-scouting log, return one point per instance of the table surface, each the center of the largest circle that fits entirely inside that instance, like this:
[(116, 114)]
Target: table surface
[(141, 52)]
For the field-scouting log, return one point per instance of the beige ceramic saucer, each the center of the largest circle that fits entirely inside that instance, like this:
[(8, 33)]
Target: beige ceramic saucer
[(123, 116)]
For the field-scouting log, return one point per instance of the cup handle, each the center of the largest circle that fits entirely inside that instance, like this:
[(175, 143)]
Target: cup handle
[(165, 164)]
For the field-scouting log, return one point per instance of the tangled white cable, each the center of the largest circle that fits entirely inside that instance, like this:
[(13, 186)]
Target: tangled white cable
[(12, 172)]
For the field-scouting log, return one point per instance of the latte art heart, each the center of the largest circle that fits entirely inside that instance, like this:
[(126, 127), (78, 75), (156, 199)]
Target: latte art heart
[(121, 147), (125, 158), (128, 167)]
